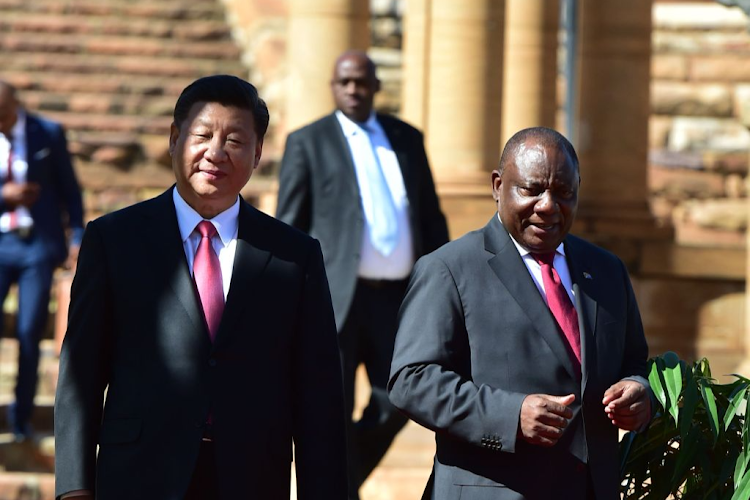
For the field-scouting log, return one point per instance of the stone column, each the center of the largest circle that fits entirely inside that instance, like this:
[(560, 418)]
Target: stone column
[(319, 31), (414, 90), (530, 78), (614, 107), (465, 88), (453, 91)]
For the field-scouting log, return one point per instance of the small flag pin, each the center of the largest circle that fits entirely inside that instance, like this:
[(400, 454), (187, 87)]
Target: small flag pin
[(587, 276)]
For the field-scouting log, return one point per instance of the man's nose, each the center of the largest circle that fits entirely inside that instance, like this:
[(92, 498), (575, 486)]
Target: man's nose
[(216, 152), (546, 203)]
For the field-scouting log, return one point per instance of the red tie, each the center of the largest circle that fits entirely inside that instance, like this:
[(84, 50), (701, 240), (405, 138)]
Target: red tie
[(207, 273), (561, 306)]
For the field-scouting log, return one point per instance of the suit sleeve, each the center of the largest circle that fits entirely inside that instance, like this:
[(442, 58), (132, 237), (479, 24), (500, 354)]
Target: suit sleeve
[(434, 226), (635, 357), (295, 196), (84, 373), (68, 190), (430, 374), (318, 420)]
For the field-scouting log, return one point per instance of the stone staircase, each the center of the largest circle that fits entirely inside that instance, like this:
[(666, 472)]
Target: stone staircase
[(110, 71)]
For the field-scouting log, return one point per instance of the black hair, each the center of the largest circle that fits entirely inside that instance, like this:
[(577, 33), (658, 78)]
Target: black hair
[(226, 90), (542, 135)]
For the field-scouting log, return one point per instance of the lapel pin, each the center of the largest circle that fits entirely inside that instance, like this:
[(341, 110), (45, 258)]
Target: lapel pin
[(587, 276)]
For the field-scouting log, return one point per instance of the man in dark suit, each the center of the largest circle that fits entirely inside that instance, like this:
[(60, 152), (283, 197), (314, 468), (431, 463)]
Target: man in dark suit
[(521, 346), (39, 198), (360, 183), (210, 326)]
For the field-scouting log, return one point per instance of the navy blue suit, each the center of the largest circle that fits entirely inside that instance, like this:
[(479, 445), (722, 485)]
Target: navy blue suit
[(30, 261)]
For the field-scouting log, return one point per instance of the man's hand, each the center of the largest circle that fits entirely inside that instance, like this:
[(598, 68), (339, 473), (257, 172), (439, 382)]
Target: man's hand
[(628, 405), (17, 194), (544, 418)]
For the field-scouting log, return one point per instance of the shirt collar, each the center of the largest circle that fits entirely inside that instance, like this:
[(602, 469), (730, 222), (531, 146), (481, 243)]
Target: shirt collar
[(18, 132), (226, 223), (521, 250), (350, 127)]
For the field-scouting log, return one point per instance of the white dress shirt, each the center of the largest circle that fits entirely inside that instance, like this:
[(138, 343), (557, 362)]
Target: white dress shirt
[(226, 224), (19, 168), (373, 264), (535, 269)]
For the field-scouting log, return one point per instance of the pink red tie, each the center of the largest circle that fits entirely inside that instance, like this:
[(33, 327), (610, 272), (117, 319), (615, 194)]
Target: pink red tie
[(561, 306), (207, 273)]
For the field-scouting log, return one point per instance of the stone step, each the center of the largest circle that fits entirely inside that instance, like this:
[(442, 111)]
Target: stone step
[(45, 24), (113, 123), (122, 66), (175, 10), (111, 83), (111, 104), (27, 486), (20, 43)]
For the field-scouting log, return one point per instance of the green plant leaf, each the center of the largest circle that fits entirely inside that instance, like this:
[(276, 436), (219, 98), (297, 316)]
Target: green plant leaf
[(655, 379), (741, 466), (742, 490), (690, 446), (672, 373), (690, 400), (710, 401), (735, 402)]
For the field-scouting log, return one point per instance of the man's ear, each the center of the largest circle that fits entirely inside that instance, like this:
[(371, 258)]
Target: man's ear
[(258, 153), (174, 134), (497, 181)]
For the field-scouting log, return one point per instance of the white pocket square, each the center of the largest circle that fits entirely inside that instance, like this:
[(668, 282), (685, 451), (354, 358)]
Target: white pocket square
[(42, 153)]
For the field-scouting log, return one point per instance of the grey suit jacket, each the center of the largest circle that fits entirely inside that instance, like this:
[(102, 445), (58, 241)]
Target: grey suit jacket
[(475, 337), (319, 194), (272, 375)]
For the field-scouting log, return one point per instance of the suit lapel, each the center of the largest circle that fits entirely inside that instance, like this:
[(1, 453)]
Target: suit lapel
[(250, 260), (510, 269), (34, 148), (401, 149), (339, 157), (169, 259), (586, 305)]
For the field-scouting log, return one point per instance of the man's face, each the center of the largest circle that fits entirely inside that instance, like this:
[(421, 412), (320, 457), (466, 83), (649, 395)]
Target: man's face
[(354, 86), (214, 153), (8, 111), (537, 196)]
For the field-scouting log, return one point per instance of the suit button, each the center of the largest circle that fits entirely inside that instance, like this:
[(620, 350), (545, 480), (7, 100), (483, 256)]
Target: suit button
[(212, 362)]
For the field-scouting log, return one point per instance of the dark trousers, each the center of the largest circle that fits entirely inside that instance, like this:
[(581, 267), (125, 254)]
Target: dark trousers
[(204, 485), (34, 277), (367, 337)]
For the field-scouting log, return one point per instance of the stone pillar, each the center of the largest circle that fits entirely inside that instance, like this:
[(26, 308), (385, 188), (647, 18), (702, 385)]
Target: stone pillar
[(614, 107), (465, 88), (414, 90), (530, 78), (462, 113), (319, 31)]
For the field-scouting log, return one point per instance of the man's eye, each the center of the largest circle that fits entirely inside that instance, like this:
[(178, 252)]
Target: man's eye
[(530, 190)]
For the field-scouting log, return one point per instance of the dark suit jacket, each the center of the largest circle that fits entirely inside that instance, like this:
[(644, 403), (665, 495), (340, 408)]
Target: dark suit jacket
[(319, 194), (271, 377), (59, 202), (475, 337)]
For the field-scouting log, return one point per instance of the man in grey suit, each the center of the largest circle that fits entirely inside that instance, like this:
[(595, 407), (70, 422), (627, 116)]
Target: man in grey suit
[(522, 346), (359, 181), (209, 324)]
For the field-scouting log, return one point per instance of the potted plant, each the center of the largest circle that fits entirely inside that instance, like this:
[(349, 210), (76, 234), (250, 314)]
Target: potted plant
[(696, 447)]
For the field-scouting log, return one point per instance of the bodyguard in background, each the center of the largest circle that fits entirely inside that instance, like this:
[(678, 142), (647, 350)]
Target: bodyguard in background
[(359, 181), (39, 199)]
